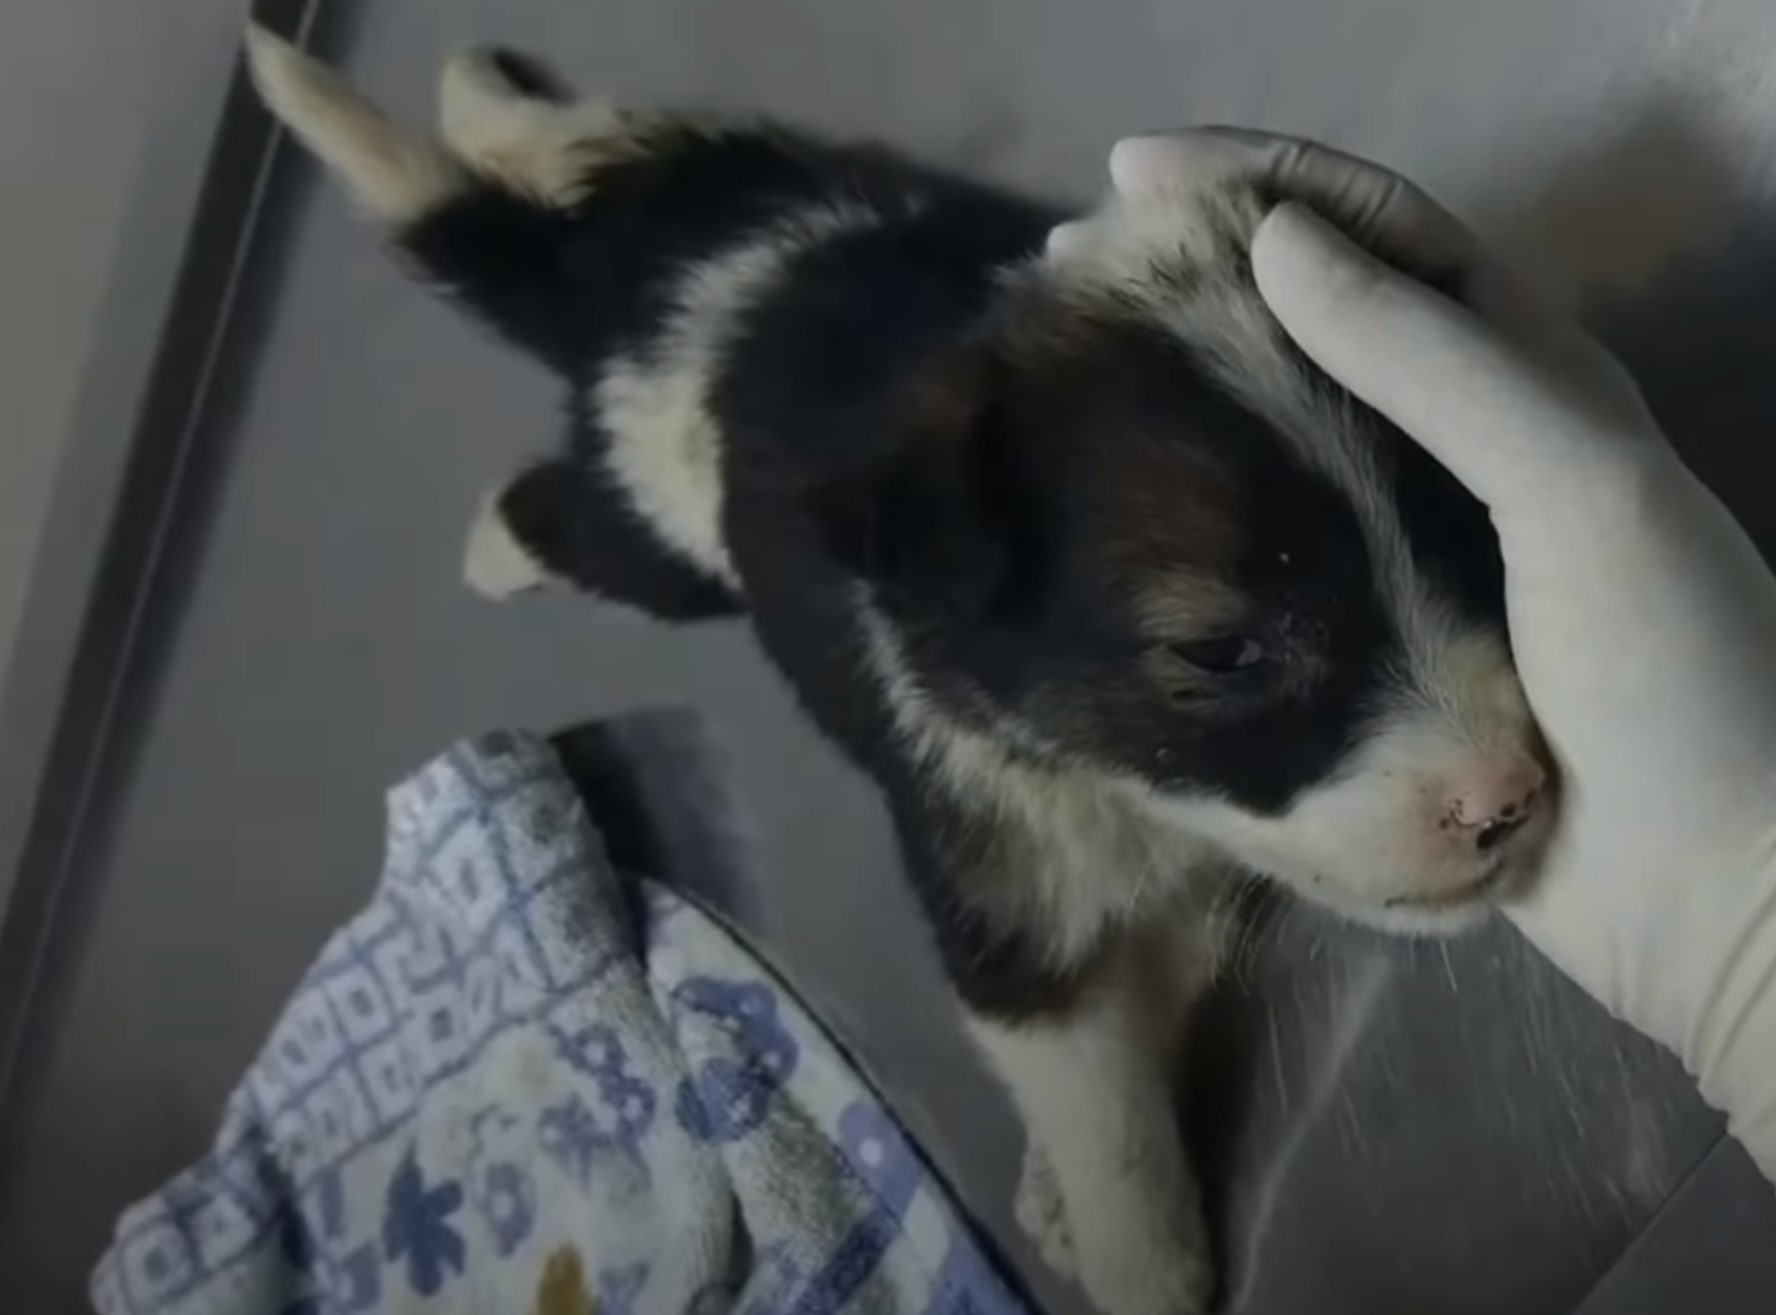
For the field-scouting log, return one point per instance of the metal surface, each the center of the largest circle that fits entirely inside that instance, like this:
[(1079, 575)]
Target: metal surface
[(1390, 1127), (139, 454)]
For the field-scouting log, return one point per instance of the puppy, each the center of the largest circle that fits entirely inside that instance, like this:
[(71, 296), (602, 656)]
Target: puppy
[(1048, 525)]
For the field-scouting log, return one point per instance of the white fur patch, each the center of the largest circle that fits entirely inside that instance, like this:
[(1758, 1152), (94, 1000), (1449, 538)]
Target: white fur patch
[(666, 444), (548, 151), (1149, 168), (395, 175), (495, 564)]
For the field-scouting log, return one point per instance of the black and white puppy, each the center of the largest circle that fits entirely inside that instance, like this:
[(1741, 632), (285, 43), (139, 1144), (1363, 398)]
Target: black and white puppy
[(1049, 526)]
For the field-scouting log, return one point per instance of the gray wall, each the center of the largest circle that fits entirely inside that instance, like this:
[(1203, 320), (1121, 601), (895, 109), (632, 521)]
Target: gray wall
[(81, 82)]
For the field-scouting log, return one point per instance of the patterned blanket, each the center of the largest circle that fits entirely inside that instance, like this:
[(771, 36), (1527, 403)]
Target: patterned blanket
[(518, 1081)]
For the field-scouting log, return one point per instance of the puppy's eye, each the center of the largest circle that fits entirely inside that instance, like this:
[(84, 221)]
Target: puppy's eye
[(1223, 656)]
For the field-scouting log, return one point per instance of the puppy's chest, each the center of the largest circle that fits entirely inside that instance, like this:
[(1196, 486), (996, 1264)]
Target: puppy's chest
[(1066, 855)]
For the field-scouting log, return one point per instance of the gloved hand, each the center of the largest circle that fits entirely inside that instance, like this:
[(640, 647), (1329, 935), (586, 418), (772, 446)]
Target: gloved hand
[(1642, 618)]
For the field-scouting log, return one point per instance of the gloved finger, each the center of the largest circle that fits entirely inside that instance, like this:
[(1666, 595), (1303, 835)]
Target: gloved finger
[(1384, 212), (1376, 206), (1446, 377)]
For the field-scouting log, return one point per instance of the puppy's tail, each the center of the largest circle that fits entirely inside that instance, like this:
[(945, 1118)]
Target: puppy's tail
[(395, 176), (481, 207)]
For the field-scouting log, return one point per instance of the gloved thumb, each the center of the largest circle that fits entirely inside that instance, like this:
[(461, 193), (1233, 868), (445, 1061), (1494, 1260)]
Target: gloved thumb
[(1446, 377)]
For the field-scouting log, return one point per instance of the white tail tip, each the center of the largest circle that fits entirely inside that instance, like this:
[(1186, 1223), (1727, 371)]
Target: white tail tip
[(394, 175)]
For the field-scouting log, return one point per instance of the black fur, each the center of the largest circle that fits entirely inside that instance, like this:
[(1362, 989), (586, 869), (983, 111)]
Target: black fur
[(576, 285), (1258, 738), (567, 514), (899, 411)]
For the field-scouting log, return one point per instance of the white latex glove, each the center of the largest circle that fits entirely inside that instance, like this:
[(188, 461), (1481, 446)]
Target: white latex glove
[(1642, 618)]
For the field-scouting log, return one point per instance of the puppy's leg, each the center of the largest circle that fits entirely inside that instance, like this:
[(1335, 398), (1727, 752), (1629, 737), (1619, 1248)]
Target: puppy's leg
[(563, 520), (1107, 1185), (1041, 1213)]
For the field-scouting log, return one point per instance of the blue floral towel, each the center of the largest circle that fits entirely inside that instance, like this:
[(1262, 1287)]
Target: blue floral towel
[(516, 1082)]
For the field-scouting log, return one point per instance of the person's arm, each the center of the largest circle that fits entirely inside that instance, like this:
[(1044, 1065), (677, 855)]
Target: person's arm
[(1642, 618)]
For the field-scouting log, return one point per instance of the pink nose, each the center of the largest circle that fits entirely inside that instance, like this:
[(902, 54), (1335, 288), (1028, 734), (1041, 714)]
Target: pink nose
[(1495, 798)]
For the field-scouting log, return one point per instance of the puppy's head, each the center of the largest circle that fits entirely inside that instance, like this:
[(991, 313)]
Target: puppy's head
[(1132, 531)]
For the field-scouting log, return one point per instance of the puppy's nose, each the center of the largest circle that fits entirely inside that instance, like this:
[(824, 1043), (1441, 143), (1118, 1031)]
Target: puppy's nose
[(1495, 798)]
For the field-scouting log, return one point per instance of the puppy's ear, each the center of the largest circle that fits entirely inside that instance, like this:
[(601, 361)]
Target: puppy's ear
[(942, 521)]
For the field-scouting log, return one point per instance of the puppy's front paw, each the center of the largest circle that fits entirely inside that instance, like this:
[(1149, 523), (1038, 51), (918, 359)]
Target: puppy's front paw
[(1152, 1261), (1042, 1215), (1149, 1280)]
